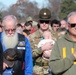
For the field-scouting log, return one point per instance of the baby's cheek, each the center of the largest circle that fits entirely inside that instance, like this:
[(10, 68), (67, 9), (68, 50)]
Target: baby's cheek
[(48, 51)]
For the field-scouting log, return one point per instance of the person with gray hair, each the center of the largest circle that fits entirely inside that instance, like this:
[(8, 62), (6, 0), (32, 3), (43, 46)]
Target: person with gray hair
[(11, 17), (64, 24), (63, 57), (19, 63), (71, 14)]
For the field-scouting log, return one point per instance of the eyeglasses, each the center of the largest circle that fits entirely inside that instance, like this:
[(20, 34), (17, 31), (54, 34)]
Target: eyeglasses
[(8, 30), (72, 25), (44, 21)]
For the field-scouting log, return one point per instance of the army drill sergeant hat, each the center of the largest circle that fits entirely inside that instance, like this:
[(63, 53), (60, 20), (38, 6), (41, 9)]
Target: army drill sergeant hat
[(9, 57), (44, 14)]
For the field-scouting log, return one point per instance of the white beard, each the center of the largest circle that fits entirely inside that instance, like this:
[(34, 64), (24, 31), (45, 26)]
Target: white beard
[(9, 41)]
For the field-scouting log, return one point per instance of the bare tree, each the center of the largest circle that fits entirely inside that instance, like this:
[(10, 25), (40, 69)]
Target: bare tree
[(11, 11), (29, 9), (22, 9), (54, 6)]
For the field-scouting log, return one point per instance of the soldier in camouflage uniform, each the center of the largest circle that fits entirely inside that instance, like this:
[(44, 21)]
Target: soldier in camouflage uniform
[(40, 64)]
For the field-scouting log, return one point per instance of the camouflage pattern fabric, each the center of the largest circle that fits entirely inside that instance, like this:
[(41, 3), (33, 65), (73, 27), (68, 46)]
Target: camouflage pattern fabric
[(40, 64), (55, 35)]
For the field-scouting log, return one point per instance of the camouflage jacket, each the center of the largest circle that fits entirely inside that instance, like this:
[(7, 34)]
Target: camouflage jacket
[(34, 40)]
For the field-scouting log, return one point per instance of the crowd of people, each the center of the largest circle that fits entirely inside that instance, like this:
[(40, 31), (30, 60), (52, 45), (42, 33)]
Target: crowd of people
[(48, 50)]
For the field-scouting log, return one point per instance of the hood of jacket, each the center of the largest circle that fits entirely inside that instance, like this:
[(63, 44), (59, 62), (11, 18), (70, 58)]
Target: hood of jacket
[(67, 37)]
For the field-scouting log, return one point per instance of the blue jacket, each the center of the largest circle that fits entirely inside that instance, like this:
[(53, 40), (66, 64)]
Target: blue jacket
[(28, 60)]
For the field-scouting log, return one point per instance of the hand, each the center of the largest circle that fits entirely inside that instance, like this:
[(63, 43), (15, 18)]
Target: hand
[(47, 46), (4, 65), (47, 53), (74, 54)]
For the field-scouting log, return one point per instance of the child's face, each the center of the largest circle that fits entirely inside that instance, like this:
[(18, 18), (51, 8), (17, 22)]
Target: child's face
[(47, 35)]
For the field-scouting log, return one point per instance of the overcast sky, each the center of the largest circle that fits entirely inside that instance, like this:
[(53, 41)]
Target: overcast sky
[(7, 3)]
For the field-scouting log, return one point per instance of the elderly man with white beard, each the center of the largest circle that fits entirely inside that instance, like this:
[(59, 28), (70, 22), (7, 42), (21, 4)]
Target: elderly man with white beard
[(11, 40)]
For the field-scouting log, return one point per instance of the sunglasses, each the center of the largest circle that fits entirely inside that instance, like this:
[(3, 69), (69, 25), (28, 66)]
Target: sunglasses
[(72, 25), (44, 21)]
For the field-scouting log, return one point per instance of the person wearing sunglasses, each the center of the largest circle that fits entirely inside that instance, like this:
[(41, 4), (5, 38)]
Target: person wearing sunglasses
[(63, 57), (40, 64), (10, 38)]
